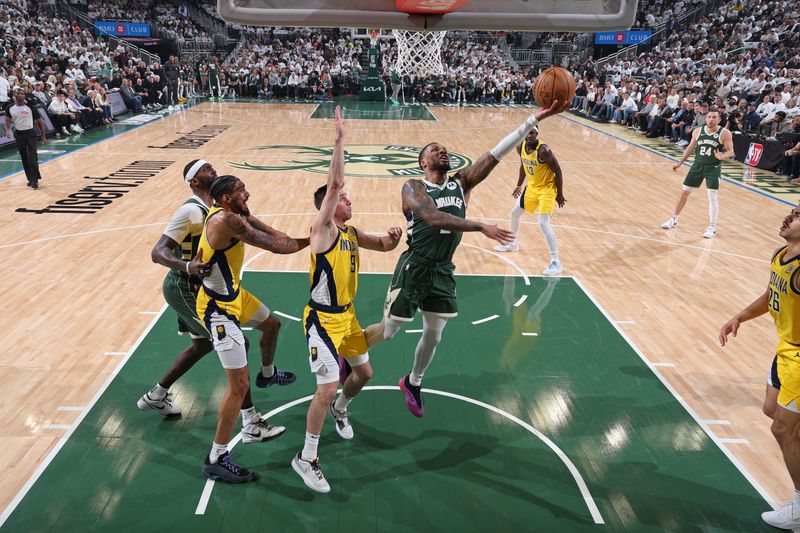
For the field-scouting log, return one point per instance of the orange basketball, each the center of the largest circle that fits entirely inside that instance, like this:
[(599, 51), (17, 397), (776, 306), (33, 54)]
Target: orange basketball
[(555, 83)]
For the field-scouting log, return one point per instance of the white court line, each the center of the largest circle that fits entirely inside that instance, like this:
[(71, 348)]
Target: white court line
[(63, 440), (591, 230), (529, 334), (149, 312), (640, 238), (625, 322), (115, 353), (56, 426), (576, 475), (521, 300), (290, 317), (666, 365), (70, 408), (716, 422), (506, 259), (413, 331), (680, 399), (247, 329), (734, 441), (487, 319)]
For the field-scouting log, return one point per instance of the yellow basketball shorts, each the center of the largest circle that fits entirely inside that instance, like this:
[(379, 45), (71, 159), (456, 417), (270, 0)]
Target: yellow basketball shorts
[(331, 336), (785, 375), (224, 321), (542, 201)]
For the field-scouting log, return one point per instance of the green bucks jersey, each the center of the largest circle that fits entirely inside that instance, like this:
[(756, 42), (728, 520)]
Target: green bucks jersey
[(431, 243), (213, 73), (707, 144)]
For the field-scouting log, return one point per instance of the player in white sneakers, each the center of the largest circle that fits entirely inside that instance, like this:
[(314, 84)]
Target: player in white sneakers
[(545, 189)]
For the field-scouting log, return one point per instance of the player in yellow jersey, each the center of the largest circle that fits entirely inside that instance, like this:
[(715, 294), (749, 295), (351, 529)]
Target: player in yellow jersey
[(332, 330), (224, 307), (545, 189), (782, 301)]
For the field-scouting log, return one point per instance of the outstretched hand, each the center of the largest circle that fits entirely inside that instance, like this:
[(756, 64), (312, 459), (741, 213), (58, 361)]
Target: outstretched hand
[(339, 123), (555, 108), (500, 235)]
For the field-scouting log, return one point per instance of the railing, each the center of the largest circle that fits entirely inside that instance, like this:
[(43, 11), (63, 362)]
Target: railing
[(660, 31), (235, 51), (74, 14), (523, 56)]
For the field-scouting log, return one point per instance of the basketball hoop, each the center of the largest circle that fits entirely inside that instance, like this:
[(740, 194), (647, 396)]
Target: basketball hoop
[(374, 34), (419, 53)]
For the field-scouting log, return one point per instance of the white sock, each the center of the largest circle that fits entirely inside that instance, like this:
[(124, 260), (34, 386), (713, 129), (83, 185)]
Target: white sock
[(549, 236), (675, 217), (342, 402), (432, 327), (309, 452), (267, 370), (248, 415), (216, 451), (516, 215), (158, 391), (713, 206)]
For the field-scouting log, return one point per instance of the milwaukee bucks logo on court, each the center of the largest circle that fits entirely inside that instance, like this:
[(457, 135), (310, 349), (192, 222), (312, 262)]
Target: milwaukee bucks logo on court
[(363, 160)]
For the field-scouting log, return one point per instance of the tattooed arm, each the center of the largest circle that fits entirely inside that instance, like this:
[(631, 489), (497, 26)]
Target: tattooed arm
[(416, 200), (236, 227)]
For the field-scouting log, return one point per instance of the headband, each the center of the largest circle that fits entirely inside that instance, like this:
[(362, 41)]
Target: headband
[(195, 169)]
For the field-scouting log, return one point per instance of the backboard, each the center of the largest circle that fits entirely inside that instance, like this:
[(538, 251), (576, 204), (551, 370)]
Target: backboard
[(491, 15)]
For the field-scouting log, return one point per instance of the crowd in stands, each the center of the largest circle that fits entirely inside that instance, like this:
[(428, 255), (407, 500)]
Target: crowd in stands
[(70, 72), (743, 60)]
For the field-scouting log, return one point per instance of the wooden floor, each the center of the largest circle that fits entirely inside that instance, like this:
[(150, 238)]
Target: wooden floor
[(79, 287)]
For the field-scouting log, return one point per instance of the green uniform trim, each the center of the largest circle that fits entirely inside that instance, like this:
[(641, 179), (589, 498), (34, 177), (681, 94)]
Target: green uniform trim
[(424, 285), (180, 292)]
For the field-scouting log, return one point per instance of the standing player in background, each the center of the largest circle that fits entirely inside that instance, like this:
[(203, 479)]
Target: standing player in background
[(224, 307), (544, 190), (436, 208), (709, 140), (782, 301), (335, 338), (214, 83)]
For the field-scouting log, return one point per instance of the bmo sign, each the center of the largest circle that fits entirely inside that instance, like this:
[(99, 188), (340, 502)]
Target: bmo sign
[(122, 29), (623, 37)]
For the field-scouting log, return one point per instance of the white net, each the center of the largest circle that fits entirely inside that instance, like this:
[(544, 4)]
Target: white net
[(419, 53)]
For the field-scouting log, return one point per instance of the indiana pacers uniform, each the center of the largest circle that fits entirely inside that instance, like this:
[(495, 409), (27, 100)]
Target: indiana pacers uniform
[(784, 306), (180, 289), (706, 165), (423, 278), (332, 330), (222, 304), (540, 191)]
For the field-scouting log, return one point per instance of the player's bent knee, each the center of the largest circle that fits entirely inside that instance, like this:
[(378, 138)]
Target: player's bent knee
[(363, 372)]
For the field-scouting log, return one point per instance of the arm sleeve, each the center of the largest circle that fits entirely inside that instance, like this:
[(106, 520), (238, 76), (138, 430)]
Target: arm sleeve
[(182, 221)]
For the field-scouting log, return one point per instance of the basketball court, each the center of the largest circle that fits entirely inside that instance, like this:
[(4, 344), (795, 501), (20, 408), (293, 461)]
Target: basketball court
[(596, 401)]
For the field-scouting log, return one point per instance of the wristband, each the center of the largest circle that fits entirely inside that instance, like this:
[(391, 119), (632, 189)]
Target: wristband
[(187, 269)]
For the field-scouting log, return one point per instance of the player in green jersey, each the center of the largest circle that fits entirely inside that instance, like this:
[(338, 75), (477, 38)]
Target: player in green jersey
[(436, 208), (711, 144)]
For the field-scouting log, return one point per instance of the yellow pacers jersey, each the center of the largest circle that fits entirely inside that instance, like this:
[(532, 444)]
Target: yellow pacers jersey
[(539, 175), (784, 300), (334, 273), (222, 283)]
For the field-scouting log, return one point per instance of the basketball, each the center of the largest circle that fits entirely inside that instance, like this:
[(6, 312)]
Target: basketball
[(555, 83)]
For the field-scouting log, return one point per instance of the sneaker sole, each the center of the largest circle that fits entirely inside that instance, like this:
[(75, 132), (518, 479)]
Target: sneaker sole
[(411, 404), (307, 484)]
